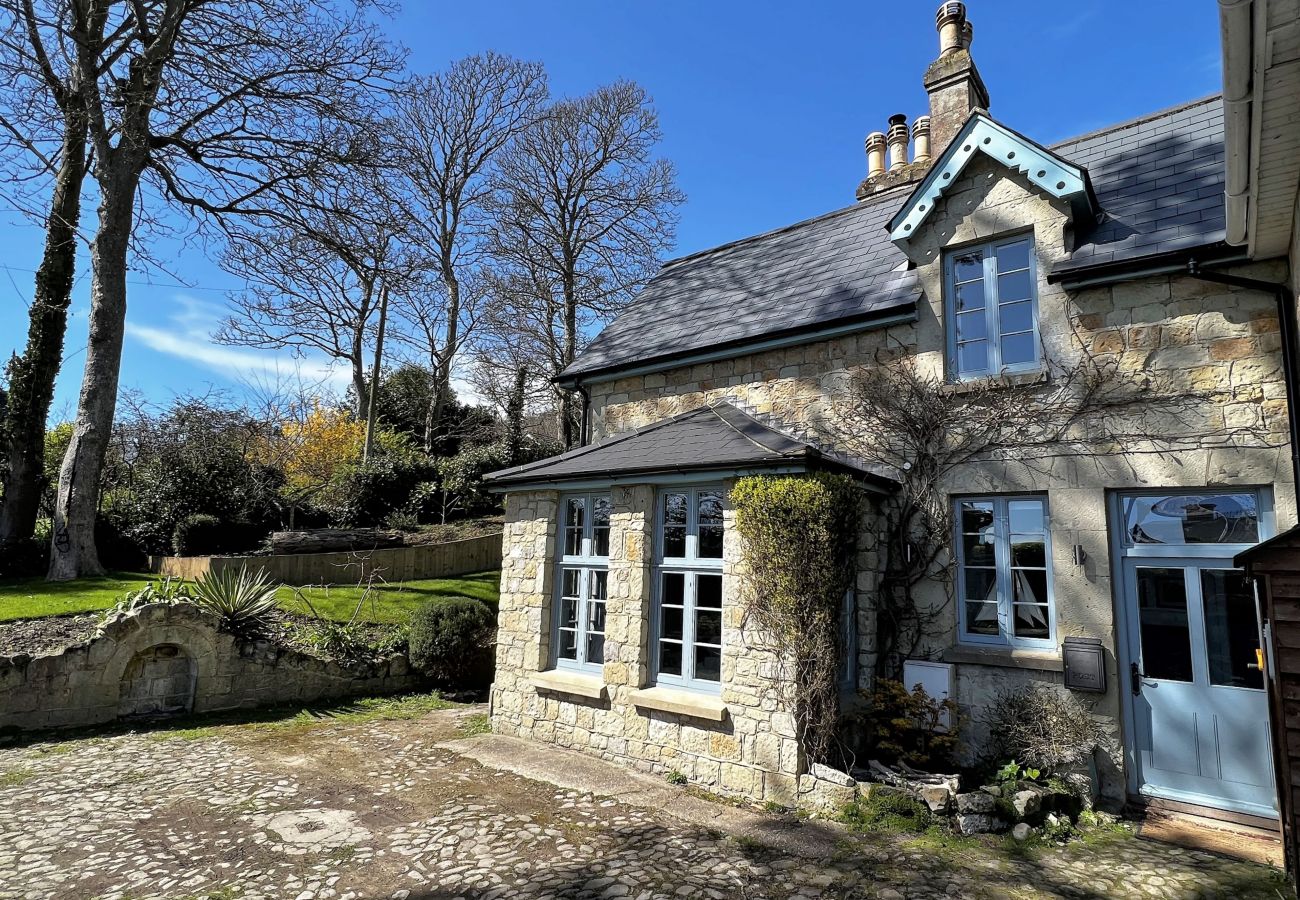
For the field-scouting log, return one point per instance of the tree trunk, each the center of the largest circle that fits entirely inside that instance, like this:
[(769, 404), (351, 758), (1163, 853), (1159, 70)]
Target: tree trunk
[(375, 371), (515, 419), (73, 554), (442, 389), (32, 375), (570, 353)]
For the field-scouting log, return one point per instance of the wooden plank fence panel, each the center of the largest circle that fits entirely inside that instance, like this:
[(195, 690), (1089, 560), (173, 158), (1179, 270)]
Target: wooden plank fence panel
[(479, 554)]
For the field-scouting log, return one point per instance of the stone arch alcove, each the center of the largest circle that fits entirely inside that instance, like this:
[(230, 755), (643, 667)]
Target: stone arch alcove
[(158, 681)]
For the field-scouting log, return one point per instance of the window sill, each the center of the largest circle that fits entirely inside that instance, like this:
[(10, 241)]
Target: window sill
[(575, 683), (987, 382), (682, 703), (1005, 657)]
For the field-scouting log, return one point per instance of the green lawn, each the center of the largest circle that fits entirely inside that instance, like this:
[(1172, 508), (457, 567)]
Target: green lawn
[(392, 602), (29, 598)]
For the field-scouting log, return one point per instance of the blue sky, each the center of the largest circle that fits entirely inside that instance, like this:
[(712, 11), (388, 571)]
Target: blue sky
[(764, 107)]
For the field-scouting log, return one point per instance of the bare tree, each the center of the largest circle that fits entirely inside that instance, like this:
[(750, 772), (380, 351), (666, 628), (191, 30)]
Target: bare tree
[(42, 134), (218, 105), (582, 211), (449, 129), (314, 272)]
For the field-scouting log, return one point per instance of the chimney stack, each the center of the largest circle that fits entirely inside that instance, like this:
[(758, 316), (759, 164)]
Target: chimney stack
[(875, 154), (921, 141), (956, 90), (952, 81), (897, 142)]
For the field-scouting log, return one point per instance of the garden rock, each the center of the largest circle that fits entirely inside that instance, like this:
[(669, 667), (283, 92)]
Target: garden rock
[(977, 803), (979, 823), (834, 776), (1021, 832), (1027, 803), (937, 797)]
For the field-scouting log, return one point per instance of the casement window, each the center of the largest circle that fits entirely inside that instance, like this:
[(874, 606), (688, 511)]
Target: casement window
[(1003, 579), (582, 581), (991, 309), (688, 588)]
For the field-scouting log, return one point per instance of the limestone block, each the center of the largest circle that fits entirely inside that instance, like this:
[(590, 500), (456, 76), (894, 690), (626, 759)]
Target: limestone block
[(978, 823), (976, 803)]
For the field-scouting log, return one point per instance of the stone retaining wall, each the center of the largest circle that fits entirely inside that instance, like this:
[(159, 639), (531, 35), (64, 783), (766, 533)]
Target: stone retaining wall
[(164, 659)]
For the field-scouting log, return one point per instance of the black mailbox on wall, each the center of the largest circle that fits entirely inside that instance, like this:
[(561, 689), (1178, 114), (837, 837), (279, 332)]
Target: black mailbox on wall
[(1085, 664)]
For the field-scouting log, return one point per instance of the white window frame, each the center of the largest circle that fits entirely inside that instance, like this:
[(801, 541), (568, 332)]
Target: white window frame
[(690, 567), (590, 566), (992, 300), (1006, 636)]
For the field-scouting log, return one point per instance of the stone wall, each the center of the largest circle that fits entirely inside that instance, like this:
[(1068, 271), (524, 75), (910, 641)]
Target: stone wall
[(741, 741), (1212, 338), (167, 659)]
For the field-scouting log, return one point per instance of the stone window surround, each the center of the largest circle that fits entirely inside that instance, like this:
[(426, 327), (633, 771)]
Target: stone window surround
[(1005, 640), (993, 331), (691, 566), (587, 564)]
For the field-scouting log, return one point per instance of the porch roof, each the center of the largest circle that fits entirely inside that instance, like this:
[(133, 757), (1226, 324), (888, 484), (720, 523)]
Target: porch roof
[(714, 438)]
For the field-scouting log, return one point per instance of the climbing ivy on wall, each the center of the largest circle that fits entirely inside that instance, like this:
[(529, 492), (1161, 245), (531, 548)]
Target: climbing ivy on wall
[(800, 542)]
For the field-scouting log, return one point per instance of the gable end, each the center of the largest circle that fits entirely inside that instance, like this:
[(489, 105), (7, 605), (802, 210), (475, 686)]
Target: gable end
[(1045, 170)]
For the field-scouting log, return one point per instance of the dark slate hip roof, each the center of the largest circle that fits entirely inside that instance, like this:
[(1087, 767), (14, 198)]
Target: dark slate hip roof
[(718, 437), (1158, 179)]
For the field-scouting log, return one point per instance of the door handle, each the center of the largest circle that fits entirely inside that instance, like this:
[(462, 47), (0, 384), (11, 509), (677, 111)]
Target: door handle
[(1135, 679)]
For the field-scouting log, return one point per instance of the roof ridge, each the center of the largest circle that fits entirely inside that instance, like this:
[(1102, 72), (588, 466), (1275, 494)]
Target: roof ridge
[(713, 407), (1138, 120), (597, 445)]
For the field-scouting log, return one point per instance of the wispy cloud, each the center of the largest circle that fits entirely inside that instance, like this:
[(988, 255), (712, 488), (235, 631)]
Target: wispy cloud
[(187, 335), (1071, 25)]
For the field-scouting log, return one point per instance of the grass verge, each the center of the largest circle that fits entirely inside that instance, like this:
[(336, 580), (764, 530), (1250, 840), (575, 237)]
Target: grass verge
[(31, 598)]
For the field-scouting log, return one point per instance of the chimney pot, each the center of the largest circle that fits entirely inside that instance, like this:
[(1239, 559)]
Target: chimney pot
[(875, 154), (967, 35), (897, 137), (921, 140), (950, 20)]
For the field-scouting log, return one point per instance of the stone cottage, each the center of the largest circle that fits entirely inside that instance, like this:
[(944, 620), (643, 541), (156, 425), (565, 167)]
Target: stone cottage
[(986, 260)]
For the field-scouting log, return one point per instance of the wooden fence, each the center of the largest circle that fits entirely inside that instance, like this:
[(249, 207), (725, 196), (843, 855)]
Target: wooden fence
[(479, 554)]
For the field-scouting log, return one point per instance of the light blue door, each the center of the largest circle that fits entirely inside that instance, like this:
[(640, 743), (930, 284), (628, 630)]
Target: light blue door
[(1199, 711)]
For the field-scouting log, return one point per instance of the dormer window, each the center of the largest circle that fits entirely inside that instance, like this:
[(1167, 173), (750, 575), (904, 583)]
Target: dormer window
[(991, 309)]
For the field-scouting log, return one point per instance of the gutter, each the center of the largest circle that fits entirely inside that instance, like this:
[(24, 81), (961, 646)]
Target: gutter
[(1286, 314), (1171, 263), (1235, 30)]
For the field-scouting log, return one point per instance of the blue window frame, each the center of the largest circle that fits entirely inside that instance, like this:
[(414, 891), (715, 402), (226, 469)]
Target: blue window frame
[(687, 619), (991, 308), (1004, 575), (582, 582)]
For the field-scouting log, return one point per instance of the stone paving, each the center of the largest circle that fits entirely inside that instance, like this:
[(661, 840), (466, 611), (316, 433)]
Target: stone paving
[(381, 810)]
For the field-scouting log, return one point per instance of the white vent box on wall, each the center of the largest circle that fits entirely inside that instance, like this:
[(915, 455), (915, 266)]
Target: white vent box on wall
[(935, 678)]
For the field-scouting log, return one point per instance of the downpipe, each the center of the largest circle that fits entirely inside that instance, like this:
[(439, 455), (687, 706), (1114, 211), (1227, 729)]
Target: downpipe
[(1286, 314)]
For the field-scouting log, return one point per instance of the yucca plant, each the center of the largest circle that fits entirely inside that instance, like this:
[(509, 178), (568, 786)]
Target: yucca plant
[(243, 601)]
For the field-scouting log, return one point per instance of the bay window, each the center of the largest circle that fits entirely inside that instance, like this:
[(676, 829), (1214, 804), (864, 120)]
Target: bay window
[(687, 616), (582, 583)]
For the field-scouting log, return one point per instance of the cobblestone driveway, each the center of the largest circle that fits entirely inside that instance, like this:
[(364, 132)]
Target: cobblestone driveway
[(378, 810)]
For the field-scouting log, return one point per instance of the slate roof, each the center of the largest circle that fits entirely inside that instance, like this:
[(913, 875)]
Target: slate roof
[(836, 268), (1159, 180), (714, 437)]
